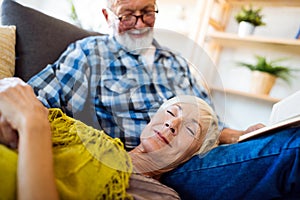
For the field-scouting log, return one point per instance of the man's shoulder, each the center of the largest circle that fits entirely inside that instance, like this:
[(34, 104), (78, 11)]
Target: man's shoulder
[(94, 39)]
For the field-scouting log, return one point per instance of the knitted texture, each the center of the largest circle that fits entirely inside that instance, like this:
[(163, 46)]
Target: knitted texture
[(88, 163)]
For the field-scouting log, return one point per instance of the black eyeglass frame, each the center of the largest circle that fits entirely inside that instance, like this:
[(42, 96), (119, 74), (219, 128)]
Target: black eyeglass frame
[(121, 18)]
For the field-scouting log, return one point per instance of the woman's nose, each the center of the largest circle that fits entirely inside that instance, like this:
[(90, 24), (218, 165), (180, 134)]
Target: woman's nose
[(173, 124)]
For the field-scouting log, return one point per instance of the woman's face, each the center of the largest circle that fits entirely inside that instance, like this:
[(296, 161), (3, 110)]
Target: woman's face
[(176, 130)]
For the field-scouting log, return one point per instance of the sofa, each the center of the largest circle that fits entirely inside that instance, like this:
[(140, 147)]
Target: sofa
[(40, 39)]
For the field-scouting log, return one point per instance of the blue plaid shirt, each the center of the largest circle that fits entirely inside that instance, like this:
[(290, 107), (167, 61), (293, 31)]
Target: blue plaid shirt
[(119, 89)]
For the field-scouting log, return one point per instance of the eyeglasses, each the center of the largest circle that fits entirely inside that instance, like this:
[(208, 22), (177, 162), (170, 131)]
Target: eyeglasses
[(131, 20)]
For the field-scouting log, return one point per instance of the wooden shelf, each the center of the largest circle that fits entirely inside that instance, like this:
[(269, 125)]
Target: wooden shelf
[(224, 47), (289, 3), (246, 94), (233, 40)]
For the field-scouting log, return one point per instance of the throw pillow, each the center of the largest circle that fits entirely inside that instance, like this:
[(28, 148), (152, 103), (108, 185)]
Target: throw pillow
[(40, 38), (7, 51)]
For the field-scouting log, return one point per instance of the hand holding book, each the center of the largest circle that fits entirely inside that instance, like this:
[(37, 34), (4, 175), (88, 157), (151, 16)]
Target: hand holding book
[(285, 113)]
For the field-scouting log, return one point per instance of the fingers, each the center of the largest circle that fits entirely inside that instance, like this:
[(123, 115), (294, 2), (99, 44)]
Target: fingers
[(254, 127), (258, 126), (8, 136), (17, 101), (10, 82)]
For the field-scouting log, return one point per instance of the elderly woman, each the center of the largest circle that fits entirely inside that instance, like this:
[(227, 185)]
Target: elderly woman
[(58, 156)]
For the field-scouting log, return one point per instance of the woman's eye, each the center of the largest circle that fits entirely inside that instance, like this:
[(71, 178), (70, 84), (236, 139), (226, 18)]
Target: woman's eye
[(171, 113), (192, 128), (191, 131)]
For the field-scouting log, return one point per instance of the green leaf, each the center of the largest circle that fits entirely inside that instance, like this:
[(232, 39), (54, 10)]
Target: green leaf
[(272, 67), (250, 15)]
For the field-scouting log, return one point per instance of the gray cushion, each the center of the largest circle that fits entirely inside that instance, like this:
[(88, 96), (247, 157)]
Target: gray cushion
[(40, 38)]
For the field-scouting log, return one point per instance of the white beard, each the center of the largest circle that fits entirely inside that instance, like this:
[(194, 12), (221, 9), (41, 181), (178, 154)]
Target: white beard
[(131, 43)]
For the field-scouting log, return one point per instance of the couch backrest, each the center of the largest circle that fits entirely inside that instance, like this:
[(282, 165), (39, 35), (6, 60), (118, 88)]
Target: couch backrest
[(40, 38)]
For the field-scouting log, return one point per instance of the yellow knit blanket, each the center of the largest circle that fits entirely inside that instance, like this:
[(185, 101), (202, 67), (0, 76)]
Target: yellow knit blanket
[(88, 163)]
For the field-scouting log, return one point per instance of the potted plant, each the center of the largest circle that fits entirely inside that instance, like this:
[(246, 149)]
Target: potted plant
[(249, 18), (265, 73)]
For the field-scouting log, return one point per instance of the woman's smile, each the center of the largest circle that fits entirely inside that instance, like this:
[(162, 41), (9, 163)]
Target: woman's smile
[(161, 137)]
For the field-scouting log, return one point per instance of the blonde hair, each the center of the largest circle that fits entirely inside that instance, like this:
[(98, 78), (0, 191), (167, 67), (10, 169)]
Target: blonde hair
[(208, 118)]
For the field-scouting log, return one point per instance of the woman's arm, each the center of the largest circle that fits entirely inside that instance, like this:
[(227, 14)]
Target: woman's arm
[(35, 164), (24, 113)]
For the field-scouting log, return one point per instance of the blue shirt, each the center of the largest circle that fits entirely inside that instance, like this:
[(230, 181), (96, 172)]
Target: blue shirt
[(96, 77)]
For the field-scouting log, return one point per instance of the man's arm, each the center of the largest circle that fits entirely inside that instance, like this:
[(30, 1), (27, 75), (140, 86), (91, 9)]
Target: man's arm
[(57, 84), (230, 136)]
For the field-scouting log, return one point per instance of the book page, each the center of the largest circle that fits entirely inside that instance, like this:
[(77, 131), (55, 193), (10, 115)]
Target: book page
[(285, 109), (285, 113), (293, 122)]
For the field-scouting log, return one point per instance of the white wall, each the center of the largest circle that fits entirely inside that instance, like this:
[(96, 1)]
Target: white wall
[(241, 111), (89, 11)]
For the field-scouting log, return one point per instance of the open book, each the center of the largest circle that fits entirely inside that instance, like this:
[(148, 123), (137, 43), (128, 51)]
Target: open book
[(285, 113)]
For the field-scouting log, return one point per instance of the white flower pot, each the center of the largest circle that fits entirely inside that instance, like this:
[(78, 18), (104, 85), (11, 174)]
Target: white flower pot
[(245, 29)]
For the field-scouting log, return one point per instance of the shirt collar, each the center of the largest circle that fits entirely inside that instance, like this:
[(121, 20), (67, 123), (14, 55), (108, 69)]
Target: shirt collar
[(116, 47)]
